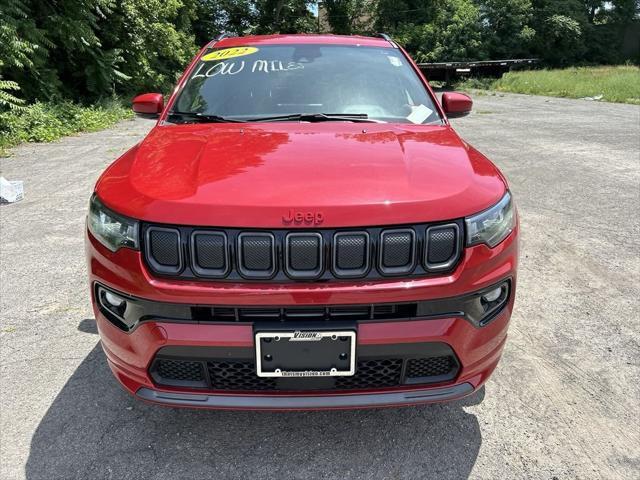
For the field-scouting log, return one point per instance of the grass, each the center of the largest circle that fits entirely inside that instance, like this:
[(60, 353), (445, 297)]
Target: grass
[(620, 84), (46, 122)]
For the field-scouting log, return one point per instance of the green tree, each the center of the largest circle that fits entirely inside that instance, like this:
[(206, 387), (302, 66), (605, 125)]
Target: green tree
[(391, 14), (560, 30), (625, 11), (153, 38), (347, 17), (450, 30), (218, 16), (284, 16), (506, 27), (19, 40)]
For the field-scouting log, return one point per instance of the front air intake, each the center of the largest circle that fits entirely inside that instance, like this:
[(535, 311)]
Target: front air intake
[(304, 255), (256, 255), (164, 250), (441, 247), (281, 255), (210, 253), (397, 251)]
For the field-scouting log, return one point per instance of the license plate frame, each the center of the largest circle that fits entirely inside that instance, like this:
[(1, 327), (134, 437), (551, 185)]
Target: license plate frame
[(302, 342)]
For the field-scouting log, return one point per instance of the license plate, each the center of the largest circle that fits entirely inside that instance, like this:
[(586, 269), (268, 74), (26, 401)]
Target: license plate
[(306, 353)]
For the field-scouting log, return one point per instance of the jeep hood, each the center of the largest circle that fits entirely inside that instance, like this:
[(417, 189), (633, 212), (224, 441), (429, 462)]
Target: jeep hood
[(250, 175)]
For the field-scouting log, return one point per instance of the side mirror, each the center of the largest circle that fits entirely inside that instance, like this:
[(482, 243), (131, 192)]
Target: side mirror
[(456, 104), (148, 104)]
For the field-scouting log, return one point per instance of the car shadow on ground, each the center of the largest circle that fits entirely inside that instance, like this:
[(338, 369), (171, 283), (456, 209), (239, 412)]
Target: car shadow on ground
[(94, 429)]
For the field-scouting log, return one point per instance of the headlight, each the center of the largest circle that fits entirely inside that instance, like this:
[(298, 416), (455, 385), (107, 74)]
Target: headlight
[(493, 225), (112, 230)]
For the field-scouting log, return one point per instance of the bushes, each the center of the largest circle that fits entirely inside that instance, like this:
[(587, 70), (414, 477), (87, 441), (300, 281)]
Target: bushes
[(45, 122)]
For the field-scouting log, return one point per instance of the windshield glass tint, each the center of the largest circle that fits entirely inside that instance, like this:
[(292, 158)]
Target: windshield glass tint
[(263, 81)]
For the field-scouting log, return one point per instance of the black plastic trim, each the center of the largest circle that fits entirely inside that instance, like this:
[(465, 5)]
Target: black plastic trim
[(141, 310), (284, 402)]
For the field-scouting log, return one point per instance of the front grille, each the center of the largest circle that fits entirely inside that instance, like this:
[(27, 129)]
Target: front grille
[(165, 252), (209, 253), (429, 367), (230, 375), (282, 255), (303, 255), (240, 375), (351, 253), (398, 251), (440, 246), (180, 370), (385, 311), (376, 373), (256, 252)]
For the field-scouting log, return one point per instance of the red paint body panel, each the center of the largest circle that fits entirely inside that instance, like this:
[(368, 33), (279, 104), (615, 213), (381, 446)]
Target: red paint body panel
[(229, 175), (456, 104), (148, 103), (251, 175)]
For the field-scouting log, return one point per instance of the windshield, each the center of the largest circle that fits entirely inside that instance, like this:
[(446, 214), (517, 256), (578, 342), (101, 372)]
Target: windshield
[(250, 83)]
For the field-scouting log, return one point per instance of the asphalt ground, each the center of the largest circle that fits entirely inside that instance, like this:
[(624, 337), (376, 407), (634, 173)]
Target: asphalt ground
[(563, 403)]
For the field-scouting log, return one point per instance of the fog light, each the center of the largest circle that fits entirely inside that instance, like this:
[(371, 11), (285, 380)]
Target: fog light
[(492, 295), (113, 303), (113, 300), (122, 311)]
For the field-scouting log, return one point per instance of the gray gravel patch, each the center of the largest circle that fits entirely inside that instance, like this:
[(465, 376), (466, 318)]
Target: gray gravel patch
[(563, 403)]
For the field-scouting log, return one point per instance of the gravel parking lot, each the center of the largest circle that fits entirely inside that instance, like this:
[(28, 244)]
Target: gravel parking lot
[(564, 402)]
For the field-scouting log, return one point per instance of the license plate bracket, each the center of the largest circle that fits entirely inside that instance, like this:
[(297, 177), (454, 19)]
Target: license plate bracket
[(305, 353)]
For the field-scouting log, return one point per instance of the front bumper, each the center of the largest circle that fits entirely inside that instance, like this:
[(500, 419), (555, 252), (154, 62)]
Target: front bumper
[(304, 402), (130, 354)]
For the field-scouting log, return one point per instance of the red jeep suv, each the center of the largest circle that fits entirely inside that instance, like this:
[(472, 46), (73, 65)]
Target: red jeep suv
[(302, 229)]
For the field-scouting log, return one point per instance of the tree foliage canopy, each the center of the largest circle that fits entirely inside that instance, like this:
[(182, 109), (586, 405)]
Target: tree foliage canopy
[(88, 49)]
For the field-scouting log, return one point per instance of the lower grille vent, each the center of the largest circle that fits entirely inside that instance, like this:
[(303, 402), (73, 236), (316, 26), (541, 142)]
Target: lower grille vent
[(237, 376), (286, 314), (180, 370), (240, 375), (420, 368), (373, 374)]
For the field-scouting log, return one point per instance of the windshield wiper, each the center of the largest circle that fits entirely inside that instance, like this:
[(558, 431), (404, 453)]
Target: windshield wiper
[(318, 117), (204, 118)]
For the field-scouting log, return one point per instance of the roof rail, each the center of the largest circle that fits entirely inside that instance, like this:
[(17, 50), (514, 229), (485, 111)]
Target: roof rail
[(387, 38), (217, 39)]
